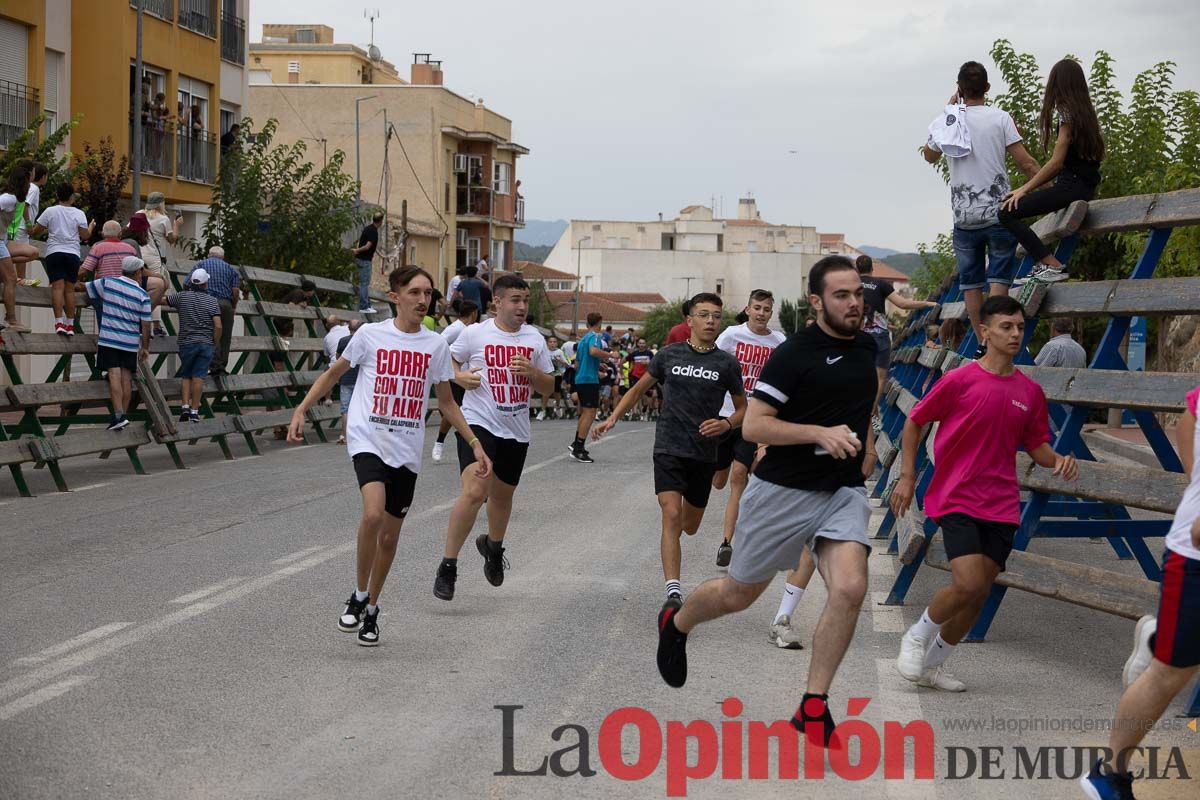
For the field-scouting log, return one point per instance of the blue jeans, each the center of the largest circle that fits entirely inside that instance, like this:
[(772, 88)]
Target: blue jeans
[(364, 283), (970, 247)]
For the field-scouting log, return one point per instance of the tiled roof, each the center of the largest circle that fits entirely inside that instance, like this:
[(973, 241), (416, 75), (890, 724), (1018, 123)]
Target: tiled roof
[(746, 223), (880, 269), (540, 272), (831, 238), (612, 312), (633, 297)]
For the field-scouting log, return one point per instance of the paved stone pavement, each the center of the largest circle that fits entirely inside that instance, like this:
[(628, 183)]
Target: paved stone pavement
[(173, 636)]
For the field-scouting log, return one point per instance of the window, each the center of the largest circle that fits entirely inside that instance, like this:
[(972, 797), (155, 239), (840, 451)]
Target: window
[(412, 254), (502, 177), (50, 101), (192, 102), (199, 16), (720, 286), (625, 245), (229, 115), (611, 243), (668, 241), (595, 228), (498, 250), (18, 101), (472, 250)]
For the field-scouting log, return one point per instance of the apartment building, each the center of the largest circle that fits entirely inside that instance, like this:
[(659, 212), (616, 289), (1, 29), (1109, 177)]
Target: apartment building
[(35, 65), (691, 253), (450, 157)]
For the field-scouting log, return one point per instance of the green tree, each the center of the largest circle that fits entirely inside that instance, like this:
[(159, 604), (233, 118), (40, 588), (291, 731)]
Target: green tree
[(938, 261), (540, 307), (793, 314), (28, 144), (99, 180), (273, 208), (659, 320)]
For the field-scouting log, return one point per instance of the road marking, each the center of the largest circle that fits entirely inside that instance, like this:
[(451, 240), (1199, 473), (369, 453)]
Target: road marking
[(900, 702), (296, 555), (90, 486), (295, 448), (192, 597), (72, 643), (42, 695)]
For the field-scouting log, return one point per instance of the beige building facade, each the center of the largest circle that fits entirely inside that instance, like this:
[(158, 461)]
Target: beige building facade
[(450, 157)]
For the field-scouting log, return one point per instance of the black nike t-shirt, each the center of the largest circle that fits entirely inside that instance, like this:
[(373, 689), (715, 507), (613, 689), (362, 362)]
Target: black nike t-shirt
[(816, 379)]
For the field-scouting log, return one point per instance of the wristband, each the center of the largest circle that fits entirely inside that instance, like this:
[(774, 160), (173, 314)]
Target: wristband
[(473, 442)]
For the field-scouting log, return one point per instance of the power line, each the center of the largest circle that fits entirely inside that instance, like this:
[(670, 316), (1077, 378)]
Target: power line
[(399, 141), (283, 94)]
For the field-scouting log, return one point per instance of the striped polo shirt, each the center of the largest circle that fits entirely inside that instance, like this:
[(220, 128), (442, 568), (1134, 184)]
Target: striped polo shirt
[(106, 257), (126, 307), (196, 311)]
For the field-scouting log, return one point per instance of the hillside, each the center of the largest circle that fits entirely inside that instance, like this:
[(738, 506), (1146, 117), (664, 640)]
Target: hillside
[(535, 253), (539, 232)]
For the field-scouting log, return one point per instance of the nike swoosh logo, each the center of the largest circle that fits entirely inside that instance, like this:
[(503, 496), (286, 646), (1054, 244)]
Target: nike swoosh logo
[(829, 360), (789, 591)]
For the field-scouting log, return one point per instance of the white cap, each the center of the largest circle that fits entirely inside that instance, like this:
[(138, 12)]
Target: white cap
[(131, 264), (199, 277)]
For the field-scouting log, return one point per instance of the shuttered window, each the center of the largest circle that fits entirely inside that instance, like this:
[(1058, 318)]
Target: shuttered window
[(14, 52), (50, 93)]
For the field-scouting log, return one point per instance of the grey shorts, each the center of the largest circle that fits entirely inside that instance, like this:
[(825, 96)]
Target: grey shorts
[(775, 524)]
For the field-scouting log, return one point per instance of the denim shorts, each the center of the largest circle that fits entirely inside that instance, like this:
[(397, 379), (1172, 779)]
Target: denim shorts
[(194, 360), (970, 246), (345, 392), (3, 249)]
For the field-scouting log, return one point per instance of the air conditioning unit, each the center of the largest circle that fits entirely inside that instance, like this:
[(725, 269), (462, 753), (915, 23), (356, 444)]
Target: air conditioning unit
[(462, 237), (460, 162)]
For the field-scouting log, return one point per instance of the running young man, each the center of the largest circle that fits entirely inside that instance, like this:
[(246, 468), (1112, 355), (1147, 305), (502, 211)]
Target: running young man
[(502, 360), (397, 361), (751, 343), (696, 375), (1166, 650), (560, 366), (988, 410), (588, 353), (468, 314), (639, 361), (812, 406)]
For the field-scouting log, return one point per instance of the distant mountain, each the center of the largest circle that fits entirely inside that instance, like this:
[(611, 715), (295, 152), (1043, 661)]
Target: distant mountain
[(541, 231), (528, 252), (878, 252), (908, 263)]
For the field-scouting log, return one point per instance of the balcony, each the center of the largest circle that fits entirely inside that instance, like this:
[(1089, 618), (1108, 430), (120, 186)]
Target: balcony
[(199, 16), (158, 149), (163, 9), (19, 106), (519, 217), (197, 156), (474, 201), (233, 39)]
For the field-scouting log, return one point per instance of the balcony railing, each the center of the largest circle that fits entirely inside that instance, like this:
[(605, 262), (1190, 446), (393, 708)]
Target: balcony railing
[(233, 38), (163, 9), (197, 156), (199, 16), (474, 201), (19, 106), (158, 147)]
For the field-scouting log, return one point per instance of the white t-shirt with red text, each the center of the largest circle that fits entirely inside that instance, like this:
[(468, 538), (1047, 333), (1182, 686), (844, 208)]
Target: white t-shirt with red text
[(395, 372), (751, 351), (501, 401), (1179, 539)]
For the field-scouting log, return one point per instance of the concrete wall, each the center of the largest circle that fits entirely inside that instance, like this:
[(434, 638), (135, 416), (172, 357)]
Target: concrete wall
[(342, 66)]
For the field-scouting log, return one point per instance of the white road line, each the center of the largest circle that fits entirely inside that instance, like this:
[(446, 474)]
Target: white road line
[(90, 486), (71, 644), (42, 695), (900, 702), (295, 448), (192, 597), (296, 555), (883, 564)]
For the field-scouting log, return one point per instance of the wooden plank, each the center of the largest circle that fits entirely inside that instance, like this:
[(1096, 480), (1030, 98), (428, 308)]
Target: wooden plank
[(324, 413), (1091, 587), (285, 310), (906, 401), (1134, 486), (1139, 212), (39, 297), (1058, 225), (893, 394), (307, 377), (1110, 388), (82, 443), (252, 344), (932, 357), (260, 275), (955, 310), (161, 419), (191, 431), (248, 423), (330, 285), (253, 383), (885, 497), (303, 345), (910, 535), (885, 450), (1123, 298), (1030, 295), (15, 451), (41, 394)]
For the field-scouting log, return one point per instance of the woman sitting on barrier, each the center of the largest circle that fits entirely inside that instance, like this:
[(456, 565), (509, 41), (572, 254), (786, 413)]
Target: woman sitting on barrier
[(1078, 150)]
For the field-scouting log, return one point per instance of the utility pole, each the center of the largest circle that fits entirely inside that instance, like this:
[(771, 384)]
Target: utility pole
[(687, 292), (578, 261), (387, 189), (404, 233), (357, 146), (138, 133)]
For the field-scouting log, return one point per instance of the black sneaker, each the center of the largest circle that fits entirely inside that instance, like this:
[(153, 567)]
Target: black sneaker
[(351, 618), (194, 416), (118, 423), (813, 716), (443, 584), (582, 456), (368, 634), (724, 554), (672, 645), (494, 562), (184, 415)]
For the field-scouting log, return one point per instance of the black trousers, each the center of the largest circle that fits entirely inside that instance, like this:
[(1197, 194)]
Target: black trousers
[(1068, 188)]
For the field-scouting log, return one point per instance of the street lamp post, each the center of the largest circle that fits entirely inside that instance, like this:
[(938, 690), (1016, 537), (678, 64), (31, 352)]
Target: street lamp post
[(578, 259), (357, 146)]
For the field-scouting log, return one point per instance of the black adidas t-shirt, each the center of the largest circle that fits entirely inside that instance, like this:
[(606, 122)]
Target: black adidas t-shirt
[(816, 379)]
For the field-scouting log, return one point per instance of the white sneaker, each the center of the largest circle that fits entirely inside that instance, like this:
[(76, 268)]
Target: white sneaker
[(541, 416), (436, 455), (911, 661), (782, 635), (938, 678), (1142, 653)]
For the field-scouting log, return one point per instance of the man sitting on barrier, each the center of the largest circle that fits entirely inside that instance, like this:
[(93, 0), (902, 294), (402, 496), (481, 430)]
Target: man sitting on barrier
[(988, 410), (1166, 651)]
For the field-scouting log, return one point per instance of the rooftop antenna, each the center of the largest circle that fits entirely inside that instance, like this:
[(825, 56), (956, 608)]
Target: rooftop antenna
[(372, 14)]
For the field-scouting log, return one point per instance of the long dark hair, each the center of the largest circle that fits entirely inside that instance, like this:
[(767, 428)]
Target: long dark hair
[(1067, 94), (18, 182)]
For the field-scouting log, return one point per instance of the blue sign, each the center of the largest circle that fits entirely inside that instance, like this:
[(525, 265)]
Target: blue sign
[(1137, 355)]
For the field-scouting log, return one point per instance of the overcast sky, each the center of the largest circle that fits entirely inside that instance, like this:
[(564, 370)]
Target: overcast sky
[(632, 108)]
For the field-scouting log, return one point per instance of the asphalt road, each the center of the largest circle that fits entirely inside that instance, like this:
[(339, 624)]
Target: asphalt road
[(173, 636)]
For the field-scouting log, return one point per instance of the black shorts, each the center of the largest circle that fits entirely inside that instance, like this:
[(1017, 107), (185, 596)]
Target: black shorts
[(399, 482), (569, 376), (558, 383), (733, 447), (458, 392), (589, 394), (507, 455), (62, 267), (689, 477), (965, 536), (111, 358), (883, 349)]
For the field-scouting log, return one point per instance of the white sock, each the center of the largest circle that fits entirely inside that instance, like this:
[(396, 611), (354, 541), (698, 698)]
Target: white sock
[(925, 628), (372, 609), (938, 654), (789, 601), (359, 594), (183, 409), (674, 587)]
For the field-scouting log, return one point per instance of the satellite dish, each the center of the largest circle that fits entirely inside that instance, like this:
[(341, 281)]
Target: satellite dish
[(374, 52)]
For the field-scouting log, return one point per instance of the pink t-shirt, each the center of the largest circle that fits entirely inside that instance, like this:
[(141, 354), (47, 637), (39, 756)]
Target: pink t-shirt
[(985, 419)]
